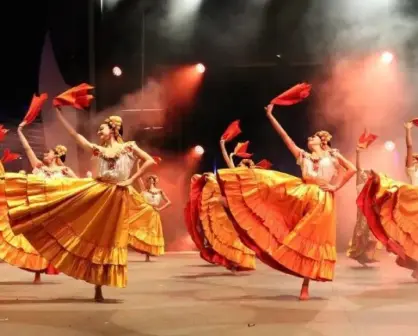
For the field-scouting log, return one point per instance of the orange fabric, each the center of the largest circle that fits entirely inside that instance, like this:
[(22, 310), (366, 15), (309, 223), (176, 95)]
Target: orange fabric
[(77, 97), (366, 139), (35, 107), (294, 95), (219, 230), (232, 131), (8, 156), (289, 224)]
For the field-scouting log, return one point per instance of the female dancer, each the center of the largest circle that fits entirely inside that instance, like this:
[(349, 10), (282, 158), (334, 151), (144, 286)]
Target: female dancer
[(363, 246), (289, 222), (148, 237), (67, 220), (209, 225), (390, 209), (16, 250)]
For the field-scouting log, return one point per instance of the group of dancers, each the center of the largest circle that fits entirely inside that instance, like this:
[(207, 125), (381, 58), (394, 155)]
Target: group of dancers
[(53, 221), (289, 223)]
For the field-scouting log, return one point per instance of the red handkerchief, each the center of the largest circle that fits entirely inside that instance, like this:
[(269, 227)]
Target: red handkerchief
[(77, 97), (35, 107), (366, 139), (241, 150), (232, 131), (9, 156), (294, 95), (264, 164)]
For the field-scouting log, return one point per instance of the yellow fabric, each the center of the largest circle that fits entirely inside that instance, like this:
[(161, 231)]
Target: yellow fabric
[(293, 222), (79, 225), (399, 213), (145, 227), (218, 228)]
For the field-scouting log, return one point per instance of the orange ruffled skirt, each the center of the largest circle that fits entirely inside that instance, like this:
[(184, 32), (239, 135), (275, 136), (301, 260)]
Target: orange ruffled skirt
[(391, 210), (217, 229), (288, 223), (145, 227), (81, 226)]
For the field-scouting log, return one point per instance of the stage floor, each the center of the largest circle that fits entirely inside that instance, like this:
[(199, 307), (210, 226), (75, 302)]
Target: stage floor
[(179, 294)]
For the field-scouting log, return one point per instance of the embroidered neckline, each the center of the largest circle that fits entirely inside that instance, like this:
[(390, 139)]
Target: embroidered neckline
[(104, 152)]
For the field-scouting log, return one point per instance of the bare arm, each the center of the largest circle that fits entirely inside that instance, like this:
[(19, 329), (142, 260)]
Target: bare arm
[(349, 172), (34, 161), (166, 200), (140, 180), (228, 159), (70, 172), (409, 151), (295, 150), (81, 140), (146, 159), (358, 168)]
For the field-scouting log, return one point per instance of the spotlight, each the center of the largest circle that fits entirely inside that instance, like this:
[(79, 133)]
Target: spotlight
[(387, 57), (199, 150), (200, 68), (389, 146), (117, 71)]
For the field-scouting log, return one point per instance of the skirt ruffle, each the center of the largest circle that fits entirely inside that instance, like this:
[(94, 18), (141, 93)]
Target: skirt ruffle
[(288, 223), (391, 210), (145, 227), (79, 225)]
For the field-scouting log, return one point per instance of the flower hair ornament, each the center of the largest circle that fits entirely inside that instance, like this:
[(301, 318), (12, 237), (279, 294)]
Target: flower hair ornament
[(325, 138), (60, 151), (115, 123)]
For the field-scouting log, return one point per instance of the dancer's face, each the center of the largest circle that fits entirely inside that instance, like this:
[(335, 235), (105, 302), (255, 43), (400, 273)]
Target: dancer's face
[(151, 182), (104, 132), (49, 157), (314, 141)]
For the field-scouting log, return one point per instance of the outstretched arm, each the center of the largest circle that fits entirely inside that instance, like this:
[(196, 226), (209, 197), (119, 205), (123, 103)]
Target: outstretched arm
[(166, 200), (34, 161), (409, 151), (349, 170), (81, 140), (295, 150), (228, 159)]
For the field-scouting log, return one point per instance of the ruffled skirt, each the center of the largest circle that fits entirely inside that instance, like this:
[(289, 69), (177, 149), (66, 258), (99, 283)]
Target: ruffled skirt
[(391, 210), (81, 226), (288, 223), (218, 230), (145, 227)]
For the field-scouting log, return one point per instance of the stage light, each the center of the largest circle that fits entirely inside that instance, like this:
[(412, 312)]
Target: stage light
[(389, 146), (199, 150), (117, 71), (387, 57), (200, 68)]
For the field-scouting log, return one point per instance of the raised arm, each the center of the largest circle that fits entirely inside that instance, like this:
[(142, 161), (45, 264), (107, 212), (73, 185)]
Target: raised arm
[(228, 159), (295, 150), (166, 200), (409, 151), (81, 140), (34, 161), (349, 170)]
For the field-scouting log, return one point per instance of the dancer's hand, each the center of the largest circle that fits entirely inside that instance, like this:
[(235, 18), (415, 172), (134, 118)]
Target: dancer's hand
[(269, 109), (328, 187), (22, 124), (408, 125), (125, 183), (222, 141)]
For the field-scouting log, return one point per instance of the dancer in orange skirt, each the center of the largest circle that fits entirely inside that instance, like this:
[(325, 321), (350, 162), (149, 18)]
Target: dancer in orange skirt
[(147, 236), (290, 222), (80, 225), (391, 210), (16, 250), (363, 247)]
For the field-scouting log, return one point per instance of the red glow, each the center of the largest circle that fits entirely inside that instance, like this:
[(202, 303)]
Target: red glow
[(387, 57), (199, 150), (200, 68)]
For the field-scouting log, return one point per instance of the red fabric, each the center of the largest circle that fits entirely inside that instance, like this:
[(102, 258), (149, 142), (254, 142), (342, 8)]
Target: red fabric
[(51, 270), (8, 156), (157, 159), (232, 131), (294, 95), (264, 164), (366, 139), (415, 121), (77, 97), (35, 107), (241, 150), (3, 132)]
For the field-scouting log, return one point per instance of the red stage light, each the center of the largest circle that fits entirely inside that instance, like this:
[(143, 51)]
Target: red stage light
[(199, 150), (387, 57), (200, 68)]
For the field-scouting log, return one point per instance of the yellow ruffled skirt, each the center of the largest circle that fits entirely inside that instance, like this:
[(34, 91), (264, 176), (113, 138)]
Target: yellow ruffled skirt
[(391, 210), (145, 226), (81, 226), (288, 223)]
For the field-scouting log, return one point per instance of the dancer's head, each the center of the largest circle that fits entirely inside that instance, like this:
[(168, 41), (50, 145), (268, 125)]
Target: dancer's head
[(246, 163), (112, 127), (151, 181), (319, 141), (56, 155), (365, 174)]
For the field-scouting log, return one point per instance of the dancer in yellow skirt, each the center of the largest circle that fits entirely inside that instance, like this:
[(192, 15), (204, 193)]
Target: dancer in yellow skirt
[(290, 222), (391, 210), (146, 236), (16, 250), (364, 248), (81, 225)]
